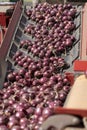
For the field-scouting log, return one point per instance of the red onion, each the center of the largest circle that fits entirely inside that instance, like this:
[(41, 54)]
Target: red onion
[(38, 111), (3, 127), (47, 112), (16, 127)]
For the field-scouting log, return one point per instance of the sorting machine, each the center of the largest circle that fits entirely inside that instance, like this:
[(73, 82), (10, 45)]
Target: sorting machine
[(73, 115)]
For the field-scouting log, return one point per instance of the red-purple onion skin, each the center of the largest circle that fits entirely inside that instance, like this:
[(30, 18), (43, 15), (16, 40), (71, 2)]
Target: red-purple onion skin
[(3, 127), (31, 92), (15, 127)]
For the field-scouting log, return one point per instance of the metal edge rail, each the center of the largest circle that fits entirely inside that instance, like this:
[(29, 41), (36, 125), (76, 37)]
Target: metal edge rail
[(7, 41), (81, 63), (10, 31), (79, 112)]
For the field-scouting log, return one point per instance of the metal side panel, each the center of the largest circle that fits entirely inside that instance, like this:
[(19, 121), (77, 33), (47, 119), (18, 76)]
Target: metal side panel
[(11, 28), (7, 41), (3, 70)]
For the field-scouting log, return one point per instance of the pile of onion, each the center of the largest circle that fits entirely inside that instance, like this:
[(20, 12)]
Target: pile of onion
[(31, 93), (35, 87), (53, 31)]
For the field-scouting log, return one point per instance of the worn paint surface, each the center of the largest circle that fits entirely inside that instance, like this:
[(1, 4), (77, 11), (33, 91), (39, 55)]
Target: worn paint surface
[(84, 34)]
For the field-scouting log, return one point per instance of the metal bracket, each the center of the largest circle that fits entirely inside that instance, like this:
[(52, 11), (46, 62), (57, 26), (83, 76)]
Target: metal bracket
[(60, 122)]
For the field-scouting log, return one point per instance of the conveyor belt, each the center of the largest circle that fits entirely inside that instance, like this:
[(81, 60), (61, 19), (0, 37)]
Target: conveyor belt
[(16, 34)]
